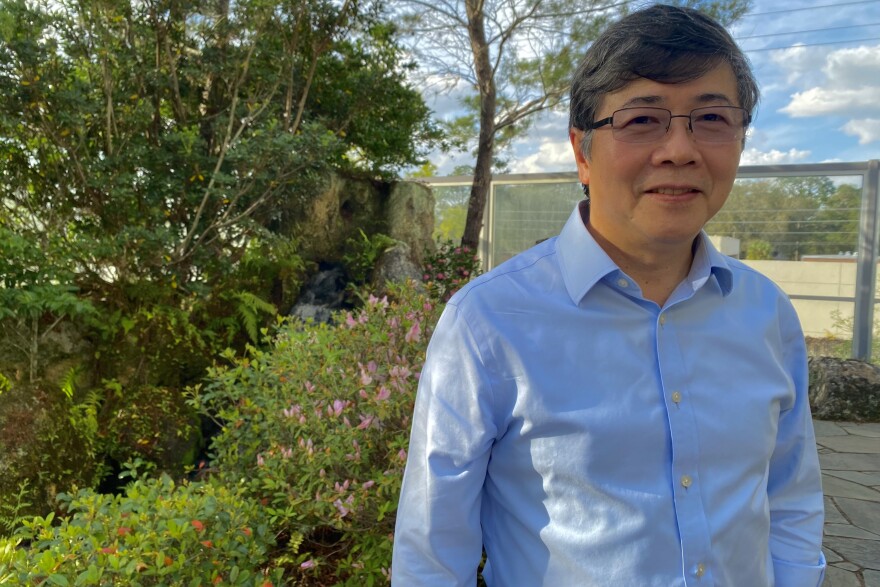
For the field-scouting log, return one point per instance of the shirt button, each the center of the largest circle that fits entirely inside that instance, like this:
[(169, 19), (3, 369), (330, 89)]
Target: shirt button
[(701, 570), (676, 396), (622, 282), (662, 319), (686, 481)]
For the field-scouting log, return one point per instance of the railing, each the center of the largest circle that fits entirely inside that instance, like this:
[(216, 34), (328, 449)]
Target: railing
[(774, 211)]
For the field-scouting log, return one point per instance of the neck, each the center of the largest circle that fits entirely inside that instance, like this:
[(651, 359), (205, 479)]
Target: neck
[(656, 269)]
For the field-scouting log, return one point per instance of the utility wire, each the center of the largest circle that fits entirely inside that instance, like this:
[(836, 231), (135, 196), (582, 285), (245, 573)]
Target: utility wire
[(787, 10), (811, 45), (835, 28)]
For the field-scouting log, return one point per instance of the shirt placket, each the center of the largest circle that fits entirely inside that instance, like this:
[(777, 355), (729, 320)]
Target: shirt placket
[(693, 527)]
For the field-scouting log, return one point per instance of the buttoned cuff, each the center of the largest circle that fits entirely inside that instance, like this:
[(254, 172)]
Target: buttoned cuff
[(799, 575)]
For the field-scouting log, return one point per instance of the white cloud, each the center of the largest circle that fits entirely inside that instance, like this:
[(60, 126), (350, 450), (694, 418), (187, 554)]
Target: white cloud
[(853, 67), (868, 129), (551, 156), (834, 100), (797, 62), (753, 156), (851, 87)]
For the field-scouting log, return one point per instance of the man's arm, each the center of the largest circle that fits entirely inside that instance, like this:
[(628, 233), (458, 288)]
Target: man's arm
[(795, 483), (438, 540)]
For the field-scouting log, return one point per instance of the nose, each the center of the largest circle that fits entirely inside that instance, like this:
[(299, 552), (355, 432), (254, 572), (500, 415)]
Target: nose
[(678, 146)]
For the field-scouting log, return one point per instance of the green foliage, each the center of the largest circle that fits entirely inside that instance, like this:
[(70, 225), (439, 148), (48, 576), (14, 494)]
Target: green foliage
[(147, 149), (316, 428), (839, 342), (796, 216), (150, 425), (361, 255), (158, 533), (758, 250), (449, 268), (11, 510), (49, 443)]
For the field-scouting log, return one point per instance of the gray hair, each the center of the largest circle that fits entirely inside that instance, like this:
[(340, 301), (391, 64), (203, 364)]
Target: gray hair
[(666, 44)]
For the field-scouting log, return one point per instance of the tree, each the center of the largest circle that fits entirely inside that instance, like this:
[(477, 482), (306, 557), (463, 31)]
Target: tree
[(795, 216), (144, 143), (517, 56)]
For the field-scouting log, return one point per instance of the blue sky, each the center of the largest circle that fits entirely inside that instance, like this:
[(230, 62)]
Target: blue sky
[(818, 66)]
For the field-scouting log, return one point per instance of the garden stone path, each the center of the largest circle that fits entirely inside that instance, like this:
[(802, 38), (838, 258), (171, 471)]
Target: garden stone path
[(849, 454)]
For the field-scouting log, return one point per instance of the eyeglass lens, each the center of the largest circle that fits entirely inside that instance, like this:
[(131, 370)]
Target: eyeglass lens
[(713, 124)]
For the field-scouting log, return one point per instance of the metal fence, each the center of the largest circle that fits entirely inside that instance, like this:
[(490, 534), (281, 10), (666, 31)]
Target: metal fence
[(783, 212)]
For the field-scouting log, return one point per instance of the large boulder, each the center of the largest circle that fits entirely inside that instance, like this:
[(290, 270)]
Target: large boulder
[(343, 207), (396, 265), (844, 389)]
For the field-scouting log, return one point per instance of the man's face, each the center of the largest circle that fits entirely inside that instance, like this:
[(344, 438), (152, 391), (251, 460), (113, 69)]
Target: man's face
[(647, 197)]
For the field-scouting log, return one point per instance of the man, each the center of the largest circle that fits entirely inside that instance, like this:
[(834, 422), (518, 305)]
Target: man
[(622, 405)]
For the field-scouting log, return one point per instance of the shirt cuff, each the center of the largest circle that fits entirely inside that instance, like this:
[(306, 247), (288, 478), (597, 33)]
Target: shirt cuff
[(789, 574)]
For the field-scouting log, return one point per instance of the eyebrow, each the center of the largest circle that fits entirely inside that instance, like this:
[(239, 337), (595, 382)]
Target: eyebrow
[(701, 99)]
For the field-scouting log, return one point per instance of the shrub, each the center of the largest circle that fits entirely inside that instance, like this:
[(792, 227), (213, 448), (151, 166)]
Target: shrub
[(449, 268), (316, 429), (158, 533)]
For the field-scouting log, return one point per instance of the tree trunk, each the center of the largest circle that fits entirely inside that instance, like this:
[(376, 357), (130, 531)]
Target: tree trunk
[(486, 142)]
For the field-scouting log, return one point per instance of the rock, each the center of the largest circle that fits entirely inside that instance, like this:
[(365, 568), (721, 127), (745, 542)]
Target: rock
[(343, 207), (396, 265), (409, 215), (323, 294), (844, 389)]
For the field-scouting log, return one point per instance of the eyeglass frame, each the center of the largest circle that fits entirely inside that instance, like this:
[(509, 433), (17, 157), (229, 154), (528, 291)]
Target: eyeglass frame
[(747, 120)]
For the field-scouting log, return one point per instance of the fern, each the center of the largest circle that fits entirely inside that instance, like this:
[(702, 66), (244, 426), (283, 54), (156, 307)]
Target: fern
[(249, 309), (10, 511)]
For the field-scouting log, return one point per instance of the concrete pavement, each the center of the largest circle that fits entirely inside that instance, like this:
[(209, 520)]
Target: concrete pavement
[(849, 454)]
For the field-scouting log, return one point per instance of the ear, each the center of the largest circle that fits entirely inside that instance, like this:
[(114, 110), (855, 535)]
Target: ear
[(575, 136)]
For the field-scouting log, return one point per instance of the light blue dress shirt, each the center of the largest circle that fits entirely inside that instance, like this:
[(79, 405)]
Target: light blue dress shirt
[(585, 436)]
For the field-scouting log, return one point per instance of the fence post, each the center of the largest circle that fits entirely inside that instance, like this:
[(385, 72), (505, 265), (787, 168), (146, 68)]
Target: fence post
[(866, 272)]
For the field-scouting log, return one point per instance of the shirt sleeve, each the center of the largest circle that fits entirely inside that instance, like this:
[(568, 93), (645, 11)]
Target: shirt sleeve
[(795, 484), (438, 539)]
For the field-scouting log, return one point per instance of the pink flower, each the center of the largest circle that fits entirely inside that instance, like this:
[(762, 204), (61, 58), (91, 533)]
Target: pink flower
[(414, 333), (426, 277), (372, 300), (457, 250), (349, 320), (368, 484), (402, 454), (338, 406), (309, 386), (372, 366), (383, 394), (343, 511), (260, 460), (441, 276), (394, 322), (309, 564), (365, 421), (399, 372), (427, 307)]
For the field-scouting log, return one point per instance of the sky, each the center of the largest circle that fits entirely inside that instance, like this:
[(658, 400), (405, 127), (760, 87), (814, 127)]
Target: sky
[(818, 66)]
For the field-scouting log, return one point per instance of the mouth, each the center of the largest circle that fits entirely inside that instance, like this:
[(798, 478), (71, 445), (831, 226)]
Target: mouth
[(673, 191)]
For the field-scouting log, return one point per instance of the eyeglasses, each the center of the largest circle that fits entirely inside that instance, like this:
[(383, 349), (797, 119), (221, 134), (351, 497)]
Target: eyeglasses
[(712, 124)]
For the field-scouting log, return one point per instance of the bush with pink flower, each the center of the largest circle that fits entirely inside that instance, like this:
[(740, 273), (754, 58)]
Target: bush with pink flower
[(449, 268), (316, 429)]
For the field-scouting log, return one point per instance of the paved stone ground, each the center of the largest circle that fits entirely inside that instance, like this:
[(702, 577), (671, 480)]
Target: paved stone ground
[(850, 458)]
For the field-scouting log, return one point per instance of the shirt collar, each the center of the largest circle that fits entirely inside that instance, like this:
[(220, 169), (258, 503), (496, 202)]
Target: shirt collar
[(584, 263)]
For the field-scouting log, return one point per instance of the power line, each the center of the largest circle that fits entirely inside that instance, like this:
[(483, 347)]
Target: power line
[(787, 10), (848, 41), (836, 28)]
